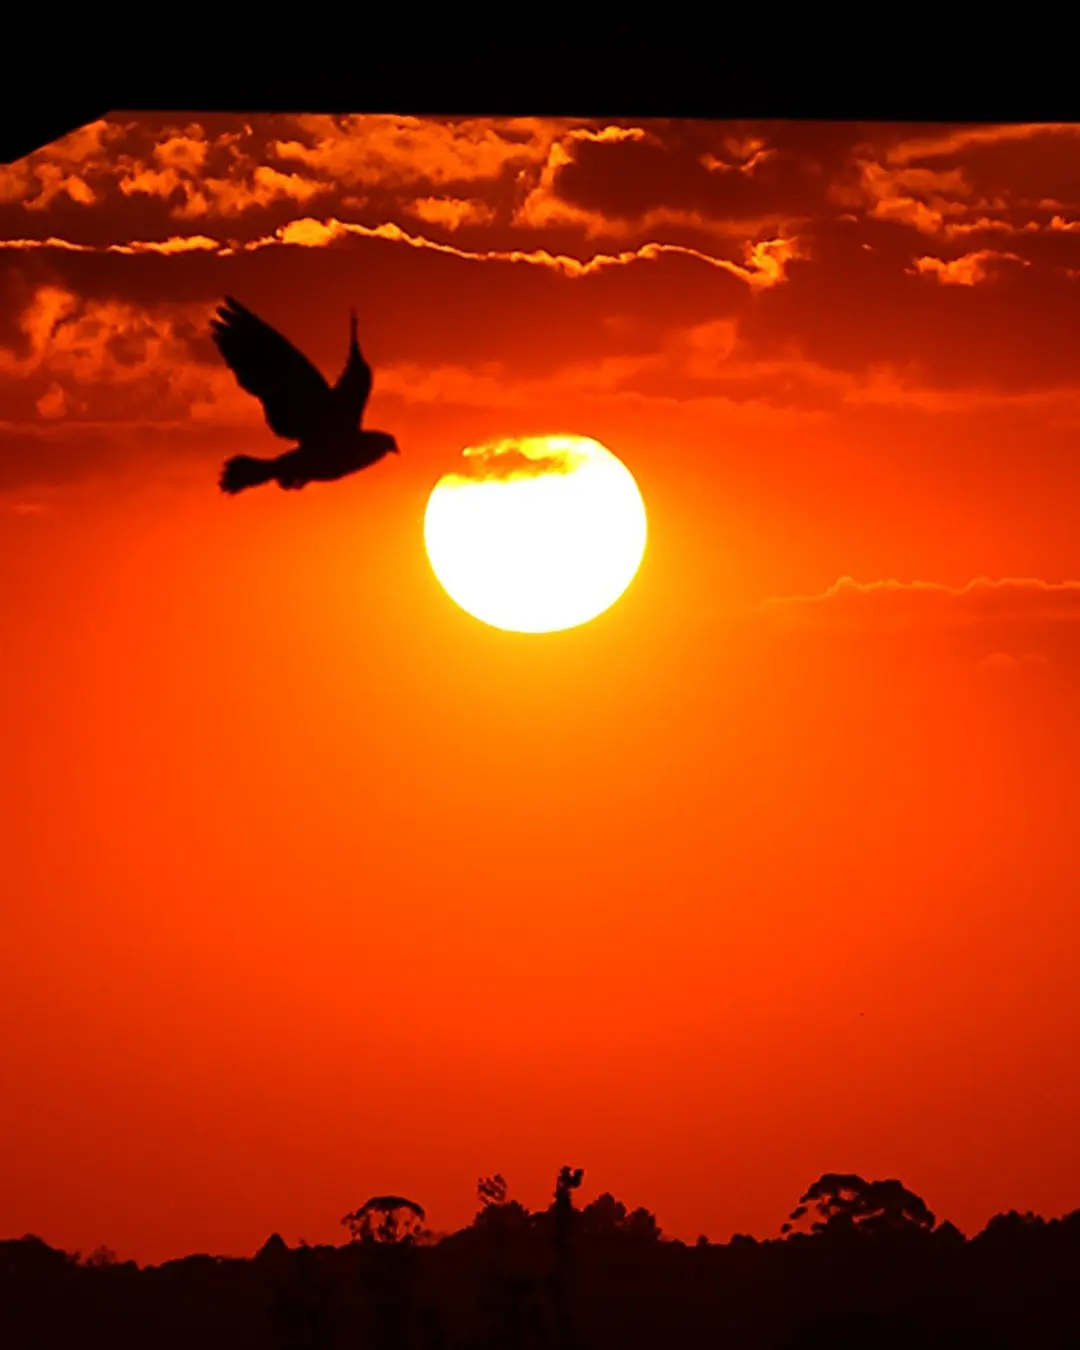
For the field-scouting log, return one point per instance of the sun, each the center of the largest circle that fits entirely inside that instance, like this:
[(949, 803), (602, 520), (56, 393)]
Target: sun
[(536, 535)]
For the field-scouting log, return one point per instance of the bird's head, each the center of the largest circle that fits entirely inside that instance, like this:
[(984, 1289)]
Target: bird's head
[(383, 442)]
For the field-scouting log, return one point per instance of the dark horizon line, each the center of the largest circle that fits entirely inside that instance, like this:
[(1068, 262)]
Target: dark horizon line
[(432, 1238)]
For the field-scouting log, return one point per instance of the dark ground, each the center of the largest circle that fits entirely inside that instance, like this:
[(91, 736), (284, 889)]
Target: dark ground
[(872, 1268)]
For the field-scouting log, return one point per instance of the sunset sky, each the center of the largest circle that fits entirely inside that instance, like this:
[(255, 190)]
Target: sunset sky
[(315, 887)]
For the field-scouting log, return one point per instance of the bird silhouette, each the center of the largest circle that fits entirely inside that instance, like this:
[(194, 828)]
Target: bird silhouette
[(299, 405)]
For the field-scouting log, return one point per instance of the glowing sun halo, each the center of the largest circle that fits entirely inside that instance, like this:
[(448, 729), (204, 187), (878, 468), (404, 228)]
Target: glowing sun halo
[(538, 534)]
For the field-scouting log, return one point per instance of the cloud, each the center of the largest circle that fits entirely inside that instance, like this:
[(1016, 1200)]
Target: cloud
[(686, 367), (955, 142), (989, 188), (509, 459), (942, 203), (853, 605), (1010, 665), (764, 263), (698, 358), (745, 155), (223, 168), (195, 243), (54, 402), (765, 334), (968, 270), (753, 298), (194, 195), (78, 360), (543, 207), (743, 182), (620, 182), (386, 151), (915, 197), (495, 385), (89, 383), (61, 168), (451, 212), (506, 175), (92, 361)]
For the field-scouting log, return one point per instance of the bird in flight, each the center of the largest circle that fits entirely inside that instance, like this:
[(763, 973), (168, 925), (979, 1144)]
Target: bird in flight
[(299, 405)]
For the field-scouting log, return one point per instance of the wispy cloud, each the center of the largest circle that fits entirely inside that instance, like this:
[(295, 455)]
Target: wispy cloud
[(952, 143), (852, 604), (764, 263), (196, 243)]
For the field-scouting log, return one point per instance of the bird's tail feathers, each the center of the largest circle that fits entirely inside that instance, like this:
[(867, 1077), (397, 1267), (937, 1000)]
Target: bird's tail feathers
[(245, 471)]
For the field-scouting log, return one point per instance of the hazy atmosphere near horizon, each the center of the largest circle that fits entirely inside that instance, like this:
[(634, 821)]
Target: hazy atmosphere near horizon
[(316, 887)]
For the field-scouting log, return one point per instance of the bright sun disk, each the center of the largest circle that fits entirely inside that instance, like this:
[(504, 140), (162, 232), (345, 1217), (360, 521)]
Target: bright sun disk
[(536, 535)]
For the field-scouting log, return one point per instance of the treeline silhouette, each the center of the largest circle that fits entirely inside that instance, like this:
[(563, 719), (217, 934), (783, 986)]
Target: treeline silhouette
[(858, 1264)]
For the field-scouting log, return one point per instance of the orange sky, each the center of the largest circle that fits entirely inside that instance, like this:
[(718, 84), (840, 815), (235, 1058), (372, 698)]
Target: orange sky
[(317, 888)]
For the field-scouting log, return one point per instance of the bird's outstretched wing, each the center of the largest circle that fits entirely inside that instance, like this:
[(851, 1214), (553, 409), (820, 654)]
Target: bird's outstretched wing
[(353, 388), (294, 395)]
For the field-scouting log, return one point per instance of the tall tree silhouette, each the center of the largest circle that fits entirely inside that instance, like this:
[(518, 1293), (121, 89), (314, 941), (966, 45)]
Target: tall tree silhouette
[(401, 1221), (513, 1316), (844, 1202), (607, 1217), (386, 1229), (491, 1190)]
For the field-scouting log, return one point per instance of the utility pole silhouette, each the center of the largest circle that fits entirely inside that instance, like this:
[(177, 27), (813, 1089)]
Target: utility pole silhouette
[(569, 1180)]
